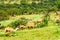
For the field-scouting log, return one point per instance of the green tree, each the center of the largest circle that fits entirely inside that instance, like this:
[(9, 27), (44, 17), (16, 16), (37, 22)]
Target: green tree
[(3, 15), (13, 11)]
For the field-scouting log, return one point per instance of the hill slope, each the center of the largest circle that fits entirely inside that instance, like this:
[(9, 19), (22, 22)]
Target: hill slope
[(47, 33)]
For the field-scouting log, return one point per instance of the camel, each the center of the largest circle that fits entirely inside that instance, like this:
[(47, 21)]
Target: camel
[(10, 29), (30, 24), (21, 27)]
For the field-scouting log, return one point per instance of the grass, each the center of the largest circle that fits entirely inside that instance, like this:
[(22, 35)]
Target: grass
[(46, 33), (12, 19), (34, 17), (6, 22)]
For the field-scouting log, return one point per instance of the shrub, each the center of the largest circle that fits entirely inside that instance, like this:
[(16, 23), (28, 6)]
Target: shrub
[(20, 21), (39, 25), (14, 24), (23, 21), (3, 15), (13, 11)]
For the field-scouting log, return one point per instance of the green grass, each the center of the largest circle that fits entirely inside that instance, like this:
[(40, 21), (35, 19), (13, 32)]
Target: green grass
[(46, 33), (6, 22), (12, 19), (34, 17)]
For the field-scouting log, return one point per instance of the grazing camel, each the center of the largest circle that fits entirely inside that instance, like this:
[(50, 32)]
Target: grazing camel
[(30, 24), (9, 29), (21, 27)]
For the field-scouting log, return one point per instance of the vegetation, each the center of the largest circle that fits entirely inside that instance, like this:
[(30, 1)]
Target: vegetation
[(29, 8), (52, 33), (18, 16)]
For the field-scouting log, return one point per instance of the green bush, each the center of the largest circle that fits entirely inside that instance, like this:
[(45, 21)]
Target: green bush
[(39, 25), (14, 24), (3, 15), (13, 11), (21, 21)]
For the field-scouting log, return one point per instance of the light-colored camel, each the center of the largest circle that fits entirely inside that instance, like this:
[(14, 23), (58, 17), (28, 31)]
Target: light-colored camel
[(10, 29)]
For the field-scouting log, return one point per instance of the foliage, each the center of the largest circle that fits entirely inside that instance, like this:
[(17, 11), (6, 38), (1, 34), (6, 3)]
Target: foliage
[(3, 15), (24, 7), (20, 21), (13, 11), (51, 32), (23, 21)]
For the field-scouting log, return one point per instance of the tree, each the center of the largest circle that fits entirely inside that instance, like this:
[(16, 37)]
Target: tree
[(13, 11), (3, 15)]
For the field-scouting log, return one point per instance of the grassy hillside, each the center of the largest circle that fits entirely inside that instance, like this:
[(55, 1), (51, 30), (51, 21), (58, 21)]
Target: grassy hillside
[(18, 16), (12, 19), (47, 33)]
